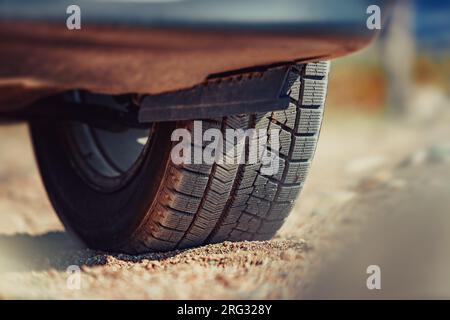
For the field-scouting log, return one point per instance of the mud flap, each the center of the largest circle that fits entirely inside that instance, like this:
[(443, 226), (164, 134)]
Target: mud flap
[(244, 93)]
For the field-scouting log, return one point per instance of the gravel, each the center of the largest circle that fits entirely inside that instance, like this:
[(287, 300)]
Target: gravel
[(318, 252)]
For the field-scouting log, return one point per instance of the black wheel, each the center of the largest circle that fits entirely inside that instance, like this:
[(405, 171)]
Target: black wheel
[(120, 191)]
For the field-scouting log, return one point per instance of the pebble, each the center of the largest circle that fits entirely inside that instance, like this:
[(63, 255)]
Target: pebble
[(439, 153), (374, 181), (288, 255), (436, 154), (397, 184), (366, 164)]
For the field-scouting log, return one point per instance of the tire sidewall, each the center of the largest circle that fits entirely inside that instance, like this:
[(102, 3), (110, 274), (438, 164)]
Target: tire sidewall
[(102, 220)]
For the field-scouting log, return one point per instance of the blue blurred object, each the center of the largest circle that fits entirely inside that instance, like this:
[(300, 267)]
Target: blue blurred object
[(432, 25)]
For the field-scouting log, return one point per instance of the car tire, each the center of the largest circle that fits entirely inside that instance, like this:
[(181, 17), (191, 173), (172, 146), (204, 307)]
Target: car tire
[(160, 206)]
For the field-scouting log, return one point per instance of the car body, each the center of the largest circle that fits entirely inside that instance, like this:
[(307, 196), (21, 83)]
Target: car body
[(150, 47)]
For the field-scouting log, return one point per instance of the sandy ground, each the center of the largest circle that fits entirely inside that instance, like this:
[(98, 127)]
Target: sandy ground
[(378, 194)]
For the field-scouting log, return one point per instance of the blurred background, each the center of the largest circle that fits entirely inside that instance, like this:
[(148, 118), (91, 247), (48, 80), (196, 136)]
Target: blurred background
[(409, 61), (395, 117), (378, 194)]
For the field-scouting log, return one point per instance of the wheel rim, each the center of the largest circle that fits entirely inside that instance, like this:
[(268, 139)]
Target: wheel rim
[(106, 160)]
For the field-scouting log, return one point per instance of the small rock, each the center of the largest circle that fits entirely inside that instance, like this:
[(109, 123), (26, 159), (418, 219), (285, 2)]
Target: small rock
[(365, 164), (439, 153), (372, 182), (52, 273), (343, 196), (319, 211), (288, 255), (417, 158), (397, 184), (223, 280)]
